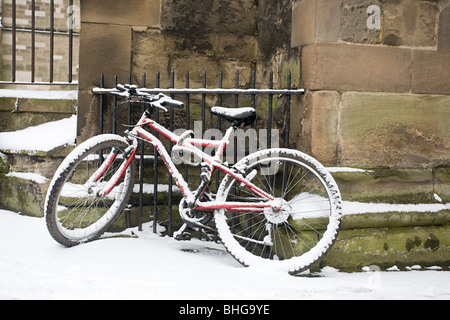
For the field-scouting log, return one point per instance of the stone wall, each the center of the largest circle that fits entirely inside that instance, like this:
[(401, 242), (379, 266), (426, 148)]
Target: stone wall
[(377, 89), (378, 96), (123, 37)]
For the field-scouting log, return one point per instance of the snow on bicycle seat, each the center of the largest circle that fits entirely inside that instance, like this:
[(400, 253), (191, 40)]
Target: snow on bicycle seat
[(239, 117)]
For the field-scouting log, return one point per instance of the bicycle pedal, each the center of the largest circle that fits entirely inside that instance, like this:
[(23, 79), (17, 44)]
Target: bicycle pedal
[(185, 236)]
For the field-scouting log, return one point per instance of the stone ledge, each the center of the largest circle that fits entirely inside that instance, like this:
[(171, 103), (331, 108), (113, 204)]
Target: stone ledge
[(24, 196), (38, 105), (387, 186), (386, 247), (395, 219), (61, 151)]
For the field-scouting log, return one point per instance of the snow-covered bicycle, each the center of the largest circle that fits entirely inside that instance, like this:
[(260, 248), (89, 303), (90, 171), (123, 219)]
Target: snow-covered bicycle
[(274, 208)]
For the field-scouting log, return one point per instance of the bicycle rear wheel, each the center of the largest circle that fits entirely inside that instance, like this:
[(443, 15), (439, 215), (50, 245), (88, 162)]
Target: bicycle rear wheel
[(293, 237), (76, 212)]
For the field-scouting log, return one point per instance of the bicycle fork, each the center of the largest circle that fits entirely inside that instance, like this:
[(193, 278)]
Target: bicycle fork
[(130, 153)]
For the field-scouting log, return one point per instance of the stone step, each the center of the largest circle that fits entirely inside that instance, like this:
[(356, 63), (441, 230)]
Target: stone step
[(20, 109), (394, 185), (382, 239), (383, 248)]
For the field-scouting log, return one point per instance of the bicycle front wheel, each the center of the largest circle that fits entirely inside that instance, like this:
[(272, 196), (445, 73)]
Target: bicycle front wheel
[(76, 209), (294, 236)]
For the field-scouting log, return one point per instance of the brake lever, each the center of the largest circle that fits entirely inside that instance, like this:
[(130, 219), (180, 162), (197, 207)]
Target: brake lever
[(157, 105)]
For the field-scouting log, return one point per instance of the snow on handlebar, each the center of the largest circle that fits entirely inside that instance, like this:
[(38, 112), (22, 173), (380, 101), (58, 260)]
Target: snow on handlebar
[(159, 101)]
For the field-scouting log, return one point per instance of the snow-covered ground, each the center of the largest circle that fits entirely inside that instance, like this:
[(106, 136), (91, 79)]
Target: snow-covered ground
[(34, 266)]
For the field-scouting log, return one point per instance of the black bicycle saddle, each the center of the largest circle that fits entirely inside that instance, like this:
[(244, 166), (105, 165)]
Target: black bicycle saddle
[(239, 117)]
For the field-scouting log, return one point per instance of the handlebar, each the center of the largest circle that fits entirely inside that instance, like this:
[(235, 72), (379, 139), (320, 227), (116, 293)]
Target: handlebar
[(159, 101)]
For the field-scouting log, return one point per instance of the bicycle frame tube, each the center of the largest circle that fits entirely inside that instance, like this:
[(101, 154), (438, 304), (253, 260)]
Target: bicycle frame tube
[(191, 144)]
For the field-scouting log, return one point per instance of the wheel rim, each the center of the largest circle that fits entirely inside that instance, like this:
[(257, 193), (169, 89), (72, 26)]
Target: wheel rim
[(295, 233), (81, 212)]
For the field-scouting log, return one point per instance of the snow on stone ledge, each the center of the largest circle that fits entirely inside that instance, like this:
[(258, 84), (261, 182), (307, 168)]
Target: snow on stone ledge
[(44, 137), (35, 94), (28, 176), (352, 208)]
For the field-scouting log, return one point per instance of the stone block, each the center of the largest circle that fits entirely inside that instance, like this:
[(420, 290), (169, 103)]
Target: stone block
[(385, 247), (104, 49), (442, 183), (410, 23), (431, 71), (303, 23), (319, 125), (274, 28), (122, 12), (44, 165), (21, 120), (444, 30), (151, 53), (327, 66), (398, 186), (196, 18), (88, 115), (38, 105), (394, 130), (155, 51), (23, 196), (354, 17), (395, 219), (315, 20)]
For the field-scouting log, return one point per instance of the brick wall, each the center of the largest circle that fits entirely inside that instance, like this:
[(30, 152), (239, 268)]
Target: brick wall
[(23, 40)]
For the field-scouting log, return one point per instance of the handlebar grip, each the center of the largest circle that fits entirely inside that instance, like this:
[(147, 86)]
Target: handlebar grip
[(173, 103), (121, 88)]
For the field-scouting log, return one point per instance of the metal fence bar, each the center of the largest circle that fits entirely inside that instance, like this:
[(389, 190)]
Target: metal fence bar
[(170, 191), (141, 169), (155, 166), (218, 91), (14, 26), (52, 38), (187, 92), (33, 40), (70, 40)]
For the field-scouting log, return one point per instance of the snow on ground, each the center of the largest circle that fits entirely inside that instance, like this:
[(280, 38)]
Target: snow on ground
[(44, 137), (34, 266)]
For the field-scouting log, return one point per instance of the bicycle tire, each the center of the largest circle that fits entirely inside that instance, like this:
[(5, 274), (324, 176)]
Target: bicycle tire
[(74, 211), (294, 237)]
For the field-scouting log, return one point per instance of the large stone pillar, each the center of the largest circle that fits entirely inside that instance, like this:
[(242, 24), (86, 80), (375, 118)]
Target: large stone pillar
[(374, 90), (106, 47)]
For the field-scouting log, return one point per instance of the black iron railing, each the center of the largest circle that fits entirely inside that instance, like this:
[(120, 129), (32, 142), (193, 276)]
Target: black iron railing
[(235, 97)]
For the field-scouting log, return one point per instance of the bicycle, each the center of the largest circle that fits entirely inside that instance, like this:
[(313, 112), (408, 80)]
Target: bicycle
[(274, 208)]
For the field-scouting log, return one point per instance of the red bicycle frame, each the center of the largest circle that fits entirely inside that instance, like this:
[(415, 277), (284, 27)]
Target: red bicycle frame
[(185, 143)]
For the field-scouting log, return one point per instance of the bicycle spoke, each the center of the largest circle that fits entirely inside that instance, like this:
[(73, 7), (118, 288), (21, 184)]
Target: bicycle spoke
[(294, 227)]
